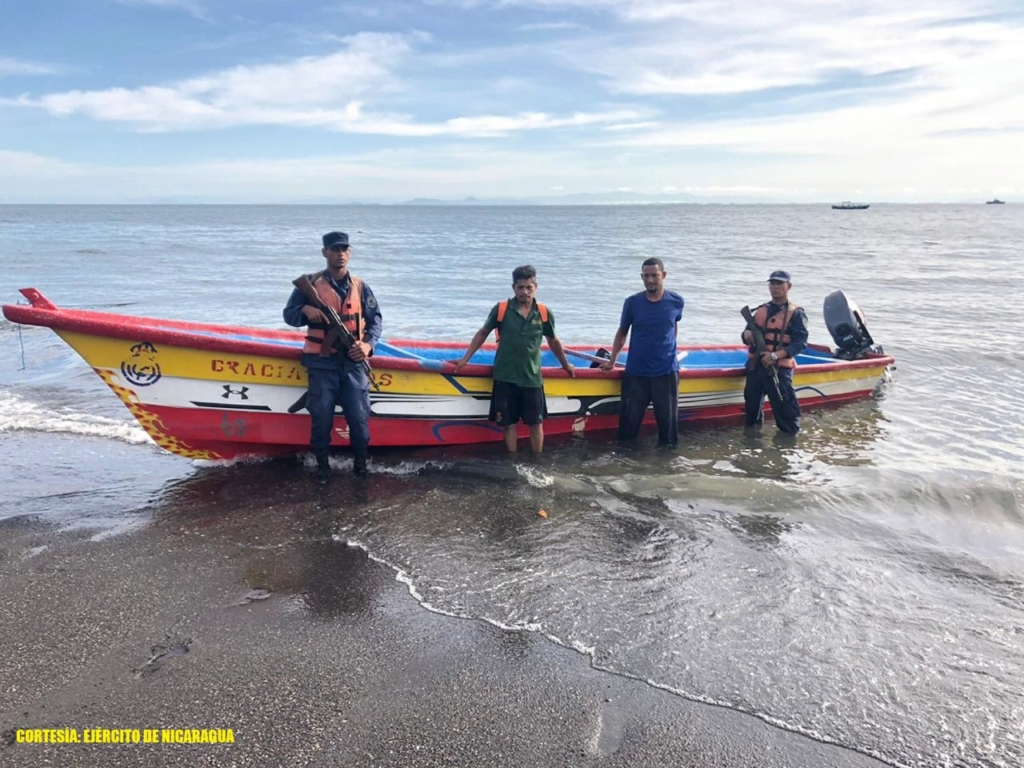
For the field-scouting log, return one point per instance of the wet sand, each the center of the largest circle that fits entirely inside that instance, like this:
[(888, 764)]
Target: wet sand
[(313, 655)]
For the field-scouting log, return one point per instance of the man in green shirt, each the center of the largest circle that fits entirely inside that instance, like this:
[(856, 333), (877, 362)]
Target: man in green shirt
[(518, 391)]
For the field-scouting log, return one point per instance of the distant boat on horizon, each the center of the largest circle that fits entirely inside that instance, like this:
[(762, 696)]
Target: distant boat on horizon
[(995, 201), (848, 206)]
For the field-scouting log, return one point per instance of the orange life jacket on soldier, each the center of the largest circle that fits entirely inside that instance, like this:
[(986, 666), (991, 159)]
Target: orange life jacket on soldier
[(503, 308), (351, 313), (775, 331)]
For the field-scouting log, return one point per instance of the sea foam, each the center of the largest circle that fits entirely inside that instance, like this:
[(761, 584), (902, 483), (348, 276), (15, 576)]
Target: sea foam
[(20, 415)]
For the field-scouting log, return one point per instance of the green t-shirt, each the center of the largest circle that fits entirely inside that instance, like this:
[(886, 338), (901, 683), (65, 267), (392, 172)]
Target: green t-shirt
[(518, 357)]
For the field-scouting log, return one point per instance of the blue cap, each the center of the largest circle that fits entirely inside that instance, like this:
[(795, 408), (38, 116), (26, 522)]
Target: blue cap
[(779, 274), (335, 238)]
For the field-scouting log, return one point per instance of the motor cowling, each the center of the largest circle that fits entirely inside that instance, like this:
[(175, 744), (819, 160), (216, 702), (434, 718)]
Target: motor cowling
[(845, 321)]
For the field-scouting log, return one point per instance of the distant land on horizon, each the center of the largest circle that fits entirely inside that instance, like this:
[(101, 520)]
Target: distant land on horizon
[(576, 199), (584, 198)]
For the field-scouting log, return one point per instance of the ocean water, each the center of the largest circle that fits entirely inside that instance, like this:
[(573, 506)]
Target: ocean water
[(863, 586)]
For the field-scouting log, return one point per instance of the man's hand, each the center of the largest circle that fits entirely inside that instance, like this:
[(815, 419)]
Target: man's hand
[(570, 370), (748, 337), (457, 363), (607, 365), (359, 351), (766, 359), (313, 315)]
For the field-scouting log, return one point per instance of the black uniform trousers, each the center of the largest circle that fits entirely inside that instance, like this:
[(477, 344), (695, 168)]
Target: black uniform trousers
[(349, 387), (785, 407), (640, 391)]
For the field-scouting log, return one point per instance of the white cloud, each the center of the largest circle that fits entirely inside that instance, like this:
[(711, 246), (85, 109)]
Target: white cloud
[(295, 92), (930, 92), (17, 67), (632, 126), (716, 48), (309, 92), (30, 165), (163, 109), (722, 47), (957, 97), (499, 125)]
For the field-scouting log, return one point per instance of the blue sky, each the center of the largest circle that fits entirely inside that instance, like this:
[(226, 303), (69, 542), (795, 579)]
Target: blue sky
[(290, 101)]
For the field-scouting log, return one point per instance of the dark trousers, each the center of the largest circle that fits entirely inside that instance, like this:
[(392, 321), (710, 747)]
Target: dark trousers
[(640, 391), (351, 389), (786, 408)]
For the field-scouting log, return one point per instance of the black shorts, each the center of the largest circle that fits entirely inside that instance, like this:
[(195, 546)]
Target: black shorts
[(510, 403)]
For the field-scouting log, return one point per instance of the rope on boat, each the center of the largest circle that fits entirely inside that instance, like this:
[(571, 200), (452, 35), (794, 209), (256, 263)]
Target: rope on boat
[(21, 341)]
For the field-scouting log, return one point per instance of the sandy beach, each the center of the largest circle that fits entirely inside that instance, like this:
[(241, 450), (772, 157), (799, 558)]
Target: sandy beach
[(312, 654)]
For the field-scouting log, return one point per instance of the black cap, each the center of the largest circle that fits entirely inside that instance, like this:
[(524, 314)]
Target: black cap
[(335, 238), (779, 274)]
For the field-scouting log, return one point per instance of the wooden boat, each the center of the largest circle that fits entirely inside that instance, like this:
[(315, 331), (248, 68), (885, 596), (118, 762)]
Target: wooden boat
[(848, 206), (208, 391)]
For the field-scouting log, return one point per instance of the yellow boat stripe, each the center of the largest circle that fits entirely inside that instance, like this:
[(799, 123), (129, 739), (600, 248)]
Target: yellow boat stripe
[(141, 363)]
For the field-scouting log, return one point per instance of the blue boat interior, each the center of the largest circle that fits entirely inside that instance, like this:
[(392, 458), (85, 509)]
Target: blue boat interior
[(693, 359), (689, 360)]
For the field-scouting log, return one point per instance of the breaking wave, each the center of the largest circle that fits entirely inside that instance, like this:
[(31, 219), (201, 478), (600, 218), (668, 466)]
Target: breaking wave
[(20, 415)]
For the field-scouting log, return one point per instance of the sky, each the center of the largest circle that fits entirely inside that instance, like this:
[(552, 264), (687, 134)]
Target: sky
[(288, 101)]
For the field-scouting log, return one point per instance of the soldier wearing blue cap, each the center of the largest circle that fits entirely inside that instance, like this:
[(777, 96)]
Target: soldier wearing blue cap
[(337, 376), (784, 326)]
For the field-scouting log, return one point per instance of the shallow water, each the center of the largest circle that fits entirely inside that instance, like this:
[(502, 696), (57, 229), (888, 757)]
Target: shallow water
[(863, 585)]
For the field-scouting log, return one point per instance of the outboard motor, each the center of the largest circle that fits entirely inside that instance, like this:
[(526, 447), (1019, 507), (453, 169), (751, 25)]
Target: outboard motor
[(845, 322)]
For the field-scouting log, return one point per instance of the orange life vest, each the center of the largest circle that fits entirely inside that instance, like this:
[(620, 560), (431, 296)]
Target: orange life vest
[(503, 309), (351, 314), (775, 331)]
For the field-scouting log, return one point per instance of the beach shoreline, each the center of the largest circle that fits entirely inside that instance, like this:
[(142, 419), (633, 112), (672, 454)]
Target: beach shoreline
[(311, 653)]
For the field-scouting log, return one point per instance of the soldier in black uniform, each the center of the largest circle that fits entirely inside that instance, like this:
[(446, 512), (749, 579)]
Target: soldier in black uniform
[(784, 325), (333, 381)]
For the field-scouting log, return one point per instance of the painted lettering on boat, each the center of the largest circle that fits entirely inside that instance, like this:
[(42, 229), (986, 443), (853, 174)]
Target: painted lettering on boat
[(263, 370), (381, 379)]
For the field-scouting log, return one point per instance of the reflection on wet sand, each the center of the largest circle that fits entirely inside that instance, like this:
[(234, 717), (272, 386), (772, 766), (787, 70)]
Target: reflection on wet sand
[(284, 530)]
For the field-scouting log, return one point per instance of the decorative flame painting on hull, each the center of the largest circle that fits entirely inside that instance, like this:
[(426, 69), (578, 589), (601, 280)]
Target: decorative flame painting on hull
[(209, 391)]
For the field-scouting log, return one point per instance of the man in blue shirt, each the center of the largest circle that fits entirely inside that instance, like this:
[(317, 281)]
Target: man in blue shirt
[(784, 326), (652, 367), (337, 377)]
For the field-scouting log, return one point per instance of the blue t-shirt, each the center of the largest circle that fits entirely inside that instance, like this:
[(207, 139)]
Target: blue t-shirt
[(652, 344)]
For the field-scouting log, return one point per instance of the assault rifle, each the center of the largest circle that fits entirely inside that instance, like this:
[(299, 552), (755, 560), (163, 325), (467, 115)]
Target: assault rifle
[(337, 335), (759, 347)]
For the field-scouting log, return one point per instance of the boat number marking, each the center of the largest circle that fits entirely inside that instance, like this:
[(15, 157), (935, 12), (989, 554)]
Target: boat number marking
[(232, 427)]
